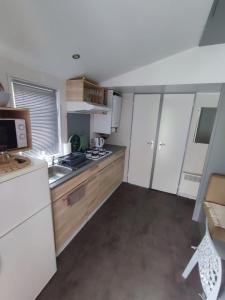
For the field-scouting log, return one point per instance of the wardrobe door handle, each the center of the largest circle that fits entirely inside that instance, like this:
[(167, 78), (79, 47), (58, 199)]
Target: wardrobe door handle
[(161, 145), (151, 144)]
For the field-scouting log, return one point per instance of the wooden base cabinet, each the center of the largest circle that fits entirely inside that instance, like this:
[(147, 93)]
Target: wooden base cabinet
[(73, 209), (110, 177)]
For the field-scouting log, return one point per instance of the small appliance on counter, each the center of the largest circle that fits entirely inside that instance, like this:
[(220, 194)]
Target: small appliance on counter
[(99, 142), (13, 133)]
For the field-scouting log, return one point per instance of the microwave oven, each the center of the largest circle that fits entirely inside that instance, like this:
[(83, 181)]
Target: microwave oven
[(13, 133)]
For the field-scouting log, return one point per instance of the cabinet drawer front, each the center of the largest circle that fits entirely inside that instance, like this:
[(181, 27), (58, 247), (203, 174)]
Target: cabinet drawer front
[(66, 187), (77, 195), (111, 159), (22, 197), (110, 177), (72, 210)]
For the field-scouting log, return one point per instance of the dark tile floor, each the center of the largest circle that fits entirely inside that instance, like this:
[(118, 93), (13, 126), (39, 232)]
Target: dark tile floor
[(134, 248)]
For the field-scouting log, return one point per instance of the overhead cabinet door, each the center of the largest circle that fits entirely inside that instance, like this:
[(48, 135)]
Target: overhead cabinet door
[(145, 117), (174, 126)]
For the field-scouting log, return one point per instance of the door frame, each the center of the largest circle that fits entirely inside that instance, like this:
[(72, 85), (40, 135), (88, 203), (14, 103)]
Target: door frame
[(185, 151)]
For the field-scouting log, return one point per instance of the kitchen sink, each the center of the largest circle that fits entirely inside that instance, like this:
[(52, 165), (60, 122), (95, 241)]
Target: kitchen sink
[(56, 172)]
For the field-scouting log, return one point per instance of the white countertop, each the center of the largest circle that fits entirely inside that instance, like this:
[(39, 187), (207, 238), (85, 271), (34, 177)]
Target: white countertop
[(35, 164)]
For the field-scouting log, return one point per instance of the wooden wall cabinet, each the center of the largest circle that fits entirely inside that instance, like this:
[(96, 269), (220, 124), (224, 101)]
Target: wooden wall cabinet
[(73, 208), (18, 113), (82, 89)]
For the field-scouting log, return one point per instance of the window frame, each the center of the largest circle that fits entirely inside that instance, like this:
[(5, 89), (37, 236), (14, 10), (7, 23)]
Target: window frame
[(45, 87)]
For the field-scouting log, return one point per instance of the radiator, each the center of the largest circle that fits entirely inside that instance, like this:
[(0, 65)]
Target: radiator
[(192, 177), (189, 185)]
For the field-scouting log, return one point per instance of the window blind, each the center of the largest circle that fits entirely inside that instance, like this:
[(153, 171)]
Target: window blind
[(42, 104)]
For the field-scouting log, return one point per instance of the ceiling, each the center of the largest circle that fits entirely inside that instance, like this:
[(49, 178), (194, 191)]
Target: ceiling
[(111, 36)]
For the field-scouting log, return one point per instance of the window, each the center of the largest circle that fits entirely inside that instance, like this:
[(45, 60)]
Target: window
[(42, 103), (205, 125)]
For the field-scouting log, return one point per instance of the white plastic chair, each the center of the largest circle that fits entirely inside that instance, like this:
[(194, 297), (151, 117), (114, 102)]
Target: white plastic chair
[(209, 265)]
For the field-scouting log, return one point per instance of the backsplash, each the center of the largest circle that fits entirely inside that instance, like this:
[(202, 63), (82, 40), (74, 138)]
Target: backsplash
[(78, 124)]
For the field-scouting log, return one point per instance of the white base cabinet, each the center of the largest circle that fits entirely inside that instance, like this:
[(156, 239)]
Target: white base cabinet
[(27, 258), (27, 248)]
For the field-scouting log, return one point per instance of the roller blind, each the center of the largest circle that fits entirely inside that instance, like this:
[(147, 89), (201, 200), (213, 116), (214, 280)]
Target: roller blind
[(42, 104)]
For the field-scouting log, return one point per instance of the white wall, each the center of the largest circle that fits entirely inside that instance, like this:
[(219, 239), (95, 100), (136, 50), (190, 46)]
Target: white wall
[(9, 68), (195, 154), (215, 158), (122, 136), (195, 66)]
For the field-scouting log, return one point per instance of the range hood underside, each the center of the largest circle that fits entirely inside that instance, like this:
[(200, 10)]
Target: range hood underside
[(85, 107)]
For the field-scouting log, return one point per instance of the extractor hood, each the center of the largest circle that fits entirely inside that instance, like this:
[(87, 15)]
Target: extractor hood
[(85, 107)]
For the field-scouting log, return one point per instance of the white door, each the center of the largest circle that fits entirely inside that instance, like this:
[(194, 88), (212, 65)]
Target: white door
[(174, 126), (145, 117)]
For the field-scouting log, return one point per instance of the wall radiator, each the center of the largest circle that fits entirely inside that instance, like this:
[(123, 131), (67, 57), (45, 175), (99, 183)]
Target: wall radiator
[(189, 185), (192, 177)]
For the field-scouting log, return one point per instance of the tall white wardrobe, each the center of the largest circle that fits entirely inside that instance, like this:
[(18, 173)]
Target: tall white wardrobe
[(158, 139)]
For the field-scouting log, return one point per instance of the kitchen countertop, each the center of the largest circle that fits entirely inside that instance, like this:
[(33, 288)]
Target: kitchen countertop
[(34, 165), (92, 163)]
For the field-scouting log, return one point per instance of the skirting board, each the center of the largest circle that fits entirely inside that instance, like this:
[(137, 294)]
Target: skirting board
[(85, 222)]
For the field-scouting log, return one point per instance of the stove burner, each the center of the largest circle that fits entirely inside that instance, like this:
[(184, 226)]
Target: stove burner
[(97, 153), (102, 152)]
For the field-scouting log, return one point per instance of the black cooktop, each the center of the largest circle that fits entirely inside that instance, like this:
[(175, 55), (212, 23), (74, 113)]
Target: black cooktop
[(75, 160)]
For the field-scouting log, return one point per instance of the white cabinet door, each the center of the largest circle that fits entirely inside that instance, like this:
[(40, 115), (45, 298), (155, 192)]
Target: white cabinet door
[(22, 197), (102, 123), (27, 258), (145, 117), (174, 126)]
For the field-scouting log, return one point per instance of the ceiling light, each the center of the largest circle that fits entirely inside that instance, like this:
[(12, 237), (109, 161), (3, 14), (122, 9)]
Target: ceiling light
[(76, 56)]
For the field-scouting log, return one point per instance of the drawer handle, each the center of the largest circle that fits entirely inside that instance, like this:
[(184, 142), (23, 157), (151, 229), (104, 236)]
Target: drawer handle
[(80, 186), (76, 196)]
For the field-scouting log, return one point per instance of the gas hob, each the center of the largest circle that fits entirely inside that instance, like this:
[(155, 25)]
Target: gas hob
[(77, 160), (97, 153)]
